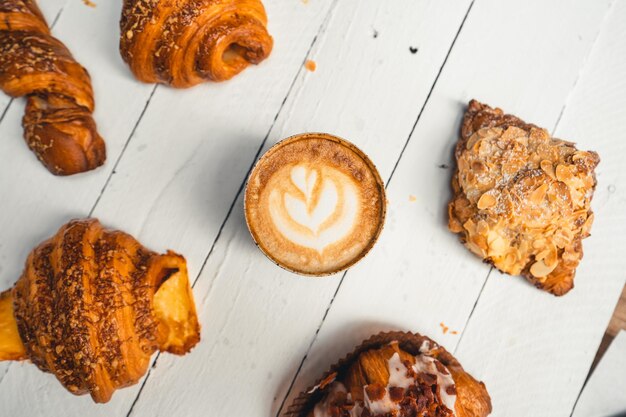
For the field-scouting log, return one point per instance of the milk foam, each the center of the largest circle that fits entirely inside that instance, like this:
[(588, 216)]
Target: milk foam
[(322, 210)]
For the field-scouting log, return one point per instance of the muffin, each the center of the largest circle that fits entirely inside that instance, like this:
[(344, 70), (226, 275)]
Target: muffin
[(395, 374)]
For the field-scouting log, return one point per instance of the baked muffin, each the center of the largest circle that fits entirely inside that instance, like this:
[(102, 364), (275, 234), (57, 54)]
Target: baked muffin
[(395, 375)]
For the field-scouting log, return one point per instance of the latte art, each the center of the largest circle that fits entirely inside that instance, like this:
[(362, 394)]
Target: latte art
[(314, 204), (321, 211)]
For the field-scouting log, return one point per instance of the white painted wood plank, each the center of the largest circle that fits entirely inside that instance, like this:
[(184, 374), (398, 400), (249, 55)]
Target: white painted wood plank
[(604, 393), (534, 350), (229, 119), (421, 275), (258, 319)]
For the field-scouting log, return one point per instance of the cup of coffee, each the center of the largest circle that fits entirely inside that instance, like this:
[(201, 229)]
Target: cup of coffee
[(315, 204)]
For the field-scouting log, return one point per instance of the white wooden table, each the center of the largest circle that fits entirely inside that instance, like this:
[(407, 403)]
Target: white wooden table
[(177, 161)]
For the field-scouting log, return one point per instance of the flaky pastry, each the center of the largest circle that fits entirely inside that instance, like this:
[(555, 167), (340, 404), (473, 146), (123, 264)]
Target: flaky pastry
[(58, 122), (184, 43), (521, 197), (93, 305)]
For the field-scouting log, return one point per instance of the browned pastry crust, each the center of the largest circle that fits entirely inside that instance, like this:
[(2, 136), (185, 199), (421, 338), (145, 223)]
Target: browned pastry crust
[(185, 43), (522, 198), (93, 305), (58, 123), (366, 370)]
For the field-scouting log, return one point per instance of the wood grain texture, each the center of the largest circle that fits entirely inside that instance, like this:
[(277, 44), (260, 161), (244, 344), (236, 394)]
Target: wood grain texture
[(538, 345), (386, 73)]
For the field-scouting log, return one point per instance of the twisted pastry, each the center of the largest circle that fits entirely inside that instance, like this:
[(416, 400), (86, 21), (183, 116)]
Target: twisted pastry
[(93, 305), (395, 374), (184, 43), (58, 123)]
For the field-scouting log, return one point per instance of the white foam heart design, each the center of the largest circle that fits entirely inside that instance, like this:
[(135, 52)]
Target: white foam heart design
[(303, 212), (325, 193)]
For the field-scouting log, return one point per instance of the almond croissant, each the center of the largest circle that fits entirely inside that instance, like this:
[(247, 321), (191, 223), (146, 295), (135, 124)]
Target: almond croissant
[(521, 197), (58, 123), (395, 375), (184, 43), (93, 305)]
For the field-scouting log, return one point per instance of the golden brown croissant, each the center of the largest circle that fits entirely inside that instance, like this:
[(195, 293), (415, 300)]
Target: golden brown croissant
[(93, 305), (58, 123), (522, 198), (183, 43), (395, 375)]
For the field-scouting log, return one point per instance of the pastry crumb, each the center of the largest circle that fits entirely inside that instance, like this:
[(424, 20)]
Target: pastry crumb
[(310, 65), (445, 329), (89, 3), (412, 198)]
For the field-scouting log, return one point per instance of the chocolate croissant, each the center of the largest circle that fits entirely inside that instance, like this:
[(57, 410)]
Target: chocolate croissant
[(58, 123), (93, 305), (185, 43), (521, 197), (395, 374)]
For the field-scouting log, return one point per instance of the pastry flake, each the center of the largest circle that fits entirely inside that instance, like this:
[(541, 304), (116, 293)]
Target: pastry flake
[(521, 197), (93, 305)]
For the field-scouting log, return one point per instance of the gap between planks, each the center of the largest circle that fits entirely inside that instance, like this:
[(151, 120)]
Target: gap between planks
[(432, 87), (320, 32)]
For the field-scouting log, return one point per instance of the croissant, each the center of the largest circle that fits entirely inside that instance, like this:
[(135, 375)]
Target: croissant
[(521, 197), (58, 122), (93, 305), (185, 43), (395, 374)]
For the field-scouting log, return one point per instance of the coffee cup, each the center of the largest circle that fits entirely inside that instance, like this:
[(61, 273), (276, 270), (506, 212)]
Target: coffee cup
[(315, 204)]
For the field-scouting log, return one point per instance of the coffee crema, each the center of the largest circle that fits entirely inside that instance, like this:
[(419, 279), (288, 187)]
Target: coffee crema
[(315, 204)]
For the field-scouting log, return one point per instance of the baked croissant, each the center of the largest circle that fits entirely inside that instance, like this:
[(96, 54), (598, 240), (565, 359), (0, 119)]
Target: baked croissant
[(93, 305), (395, 375), (186, 43), (58, 123), (522, 198)]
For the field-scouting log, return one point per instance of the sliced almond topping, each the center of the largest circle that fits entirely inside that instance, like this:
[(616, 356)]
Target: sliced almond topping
[(539, 269), (486, 201), (539, 194), (522, 199), (548, 168), (563, 173)]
